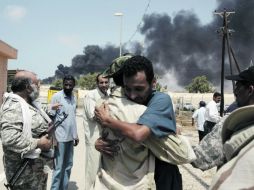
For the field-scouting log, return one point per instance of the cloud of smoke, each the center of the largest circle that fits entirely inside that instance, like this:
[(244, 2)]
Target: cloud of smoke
[(180, 45)]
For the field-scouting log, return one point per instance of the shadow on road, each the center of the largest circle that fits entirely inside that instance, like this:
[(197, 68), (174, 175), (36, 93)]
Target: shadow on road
[(72, 185)]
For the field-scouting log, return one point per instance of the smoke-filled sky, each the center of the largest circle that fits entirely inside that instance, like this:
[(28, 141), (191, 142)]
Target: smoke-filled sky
[(184, 46), (178, 36)]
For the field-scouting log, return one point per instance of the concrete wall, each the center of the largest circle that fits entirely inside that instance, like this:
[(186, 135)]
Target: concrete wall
[(176, 97), (196, 98)]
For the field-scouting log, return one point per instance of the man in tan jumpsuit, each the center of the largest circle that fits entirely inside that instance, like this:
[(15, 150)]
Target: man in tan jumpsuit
[(133, 165)]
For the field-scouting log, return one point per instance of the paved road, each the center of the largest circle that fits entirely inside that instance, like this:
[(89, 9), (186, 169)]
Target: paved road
[(78, 175)]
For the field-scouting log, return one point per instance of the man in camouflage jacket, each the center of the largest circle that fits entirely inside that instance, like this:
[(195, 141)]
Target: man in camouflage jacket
[(17, 114), (210, 151)]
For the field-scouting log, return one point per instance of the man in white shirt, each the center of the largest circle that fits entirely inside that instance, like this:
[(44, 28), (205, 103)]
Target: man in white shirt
[(91, 130), (212, 115), (199, 117)]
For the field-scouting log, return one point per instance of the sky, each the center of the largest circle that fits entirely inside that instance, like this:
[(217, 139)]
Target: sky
[(48, 33)]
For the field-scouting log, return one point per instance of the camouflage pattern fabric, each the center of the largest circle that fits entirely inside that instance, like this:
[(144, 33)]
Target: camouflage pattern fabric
[(15, 145), (115, 66), (209, 152)]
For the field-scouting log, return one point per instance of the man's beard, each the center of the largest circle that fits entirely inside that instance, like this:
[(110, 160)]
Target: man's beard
[(34, 94), (68, 92), (104, 90)]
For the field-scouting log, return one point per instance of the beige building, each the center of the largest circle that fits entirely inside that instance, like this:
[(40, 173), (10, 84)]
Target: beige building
[(6, 52)]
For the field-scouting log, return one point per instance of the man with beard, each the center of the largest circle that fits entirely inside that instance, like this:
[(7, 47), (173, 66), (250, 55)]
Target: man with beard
[(92, 156), (66, 134), (21, 124)]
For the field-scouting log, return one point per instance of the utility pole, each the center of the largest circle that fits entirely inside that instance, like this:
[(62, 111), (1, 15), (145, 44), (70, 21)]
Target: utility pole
[(225, 32)]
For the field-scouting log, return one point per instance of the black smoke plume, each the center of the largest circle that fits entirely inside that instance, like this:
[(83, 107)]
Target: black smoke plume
[(180, 44), (93, 59), (184, 45)]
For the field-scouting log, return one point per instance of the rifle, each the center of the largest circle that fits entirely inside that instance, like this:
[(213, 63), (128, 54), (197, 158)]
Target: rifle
[(27, 161)]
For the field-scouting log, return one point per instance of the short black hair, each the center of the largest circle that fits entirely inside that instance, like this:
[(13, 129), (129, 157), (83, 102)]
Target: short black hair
[(202, 104), (20, 83), (216, 94), (118, 78), (69, 77), (136, 64)]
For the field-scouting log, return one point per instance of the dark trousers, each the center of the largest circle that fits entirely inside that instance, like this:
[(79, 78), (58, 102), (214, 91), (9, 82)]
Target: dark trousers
[(167, 176), (201, 135), (208, 127)]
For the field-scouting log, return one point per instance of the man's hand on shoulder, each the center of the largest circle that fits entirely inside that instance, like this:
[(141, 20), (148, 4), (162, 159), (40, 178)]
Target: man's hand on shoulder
[(102, 114), (106, 147)]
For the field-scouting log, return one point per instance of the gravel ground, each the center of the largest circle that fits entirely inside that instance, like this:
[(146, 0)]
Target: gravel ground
[(193, 178)]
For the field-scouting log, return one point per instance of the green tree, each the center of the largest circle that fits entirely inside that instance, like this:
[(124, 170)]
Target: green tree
[(200, 84), (58, 83), (158, 85), (160, 88), (88, 81)]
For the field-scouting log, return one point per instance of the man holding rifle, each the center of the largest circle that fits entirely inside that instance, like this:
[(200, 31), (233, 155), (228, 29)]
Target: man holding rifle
[(21, 125)]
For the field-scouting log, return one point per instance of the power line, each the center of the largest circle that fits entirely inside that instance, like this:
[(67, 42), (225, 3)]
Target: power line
[(139, 25)]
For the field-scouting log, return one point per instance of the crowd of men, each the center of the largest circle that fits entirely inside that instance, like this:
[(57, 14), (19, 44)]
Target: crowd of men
[(131, 136)]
